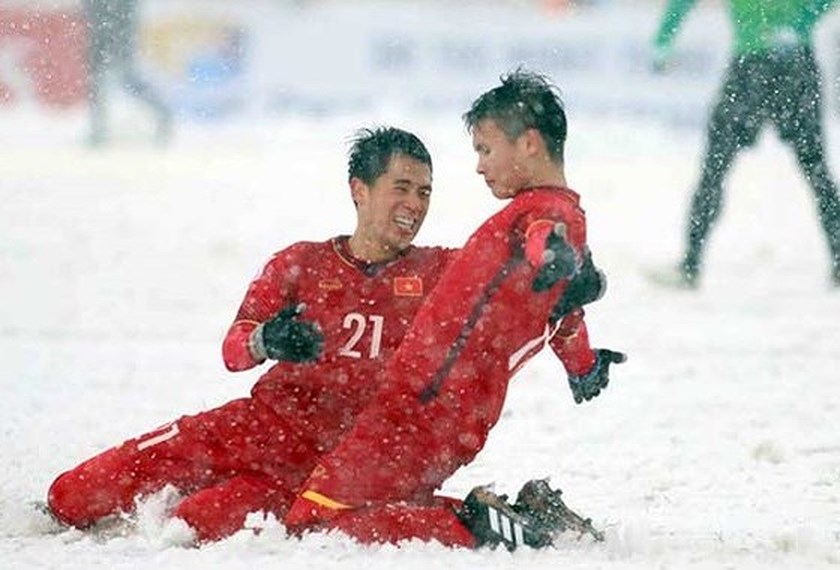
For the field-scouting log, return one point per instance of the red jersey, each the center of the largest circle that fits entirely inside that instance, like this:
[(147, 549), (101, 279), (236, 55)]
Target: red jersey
[(252, 453), (445, 387), (363, 310)]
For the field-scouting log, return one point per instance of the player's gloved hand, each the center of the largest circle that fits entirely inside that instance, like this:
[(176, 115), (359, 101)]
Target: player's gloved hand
[(285, 337), (588, 285), (589, 385), (559, 260)]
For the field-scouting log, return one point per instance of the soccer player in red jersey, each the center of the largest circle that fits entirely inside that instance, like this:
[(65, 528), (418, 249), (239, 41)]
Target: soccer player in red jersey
[(327, 314), (516, 286)]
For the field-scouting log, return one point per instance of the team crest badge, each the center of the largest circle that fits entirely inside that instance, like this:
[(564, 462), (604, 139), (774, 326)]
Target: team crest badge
[(330, 284)]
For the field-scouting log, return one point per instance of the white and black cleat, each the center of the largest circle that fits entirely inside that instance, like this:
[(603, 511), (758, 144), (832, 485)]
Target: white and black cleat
[(492, 521)]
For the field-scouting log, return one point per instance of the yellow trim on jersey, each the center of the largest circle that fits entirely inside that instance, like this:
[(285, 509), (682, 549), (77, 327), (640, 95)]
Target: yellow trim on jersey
[(248, 321), (341, 256), (537, 224), (571, 335), (323, 500)]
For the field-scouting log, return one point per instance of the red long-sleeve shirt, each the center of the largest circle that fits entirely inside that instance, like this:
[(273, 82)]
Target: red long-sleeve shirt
[(363, 310)]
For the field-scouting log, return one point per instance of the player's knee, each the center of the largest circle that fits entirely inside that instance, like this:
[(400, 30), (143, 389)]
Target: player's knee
[(99, 487), (300, 514), (218, 512), (66, 501), (208, 520)]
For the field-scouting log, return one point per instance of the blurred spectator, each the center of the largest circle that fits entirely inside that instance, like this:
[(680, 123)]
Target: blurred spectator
[(112, 31)]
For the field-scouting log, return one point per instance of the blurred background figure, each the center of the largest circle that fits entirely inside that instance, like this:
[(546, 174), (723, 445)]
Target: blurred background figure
[(772, 77), (112, 44)]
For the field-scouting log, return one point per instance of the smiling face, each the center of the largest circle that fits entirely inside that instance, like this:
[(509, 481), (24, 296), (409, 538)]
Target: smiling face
[(504, 164), (391, 210)]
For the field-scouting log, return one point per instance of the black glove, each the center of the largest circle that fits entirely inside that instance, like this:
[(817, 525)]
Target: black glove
[(559, 260), (286, 338), (589, 385), (588, 285)]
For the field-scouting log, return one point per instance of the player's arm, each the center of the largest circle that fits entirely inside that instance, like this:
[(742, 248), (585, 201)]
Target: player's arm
[(571, 344), (672, 18), (813, 11), (268, 323), (557, 246), (236, 347), (587, 368)]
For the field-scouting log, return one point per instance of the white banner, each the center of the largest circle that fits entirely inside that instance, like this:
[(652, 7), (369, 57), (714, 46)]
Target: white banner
[(216, 59), (258, 56)]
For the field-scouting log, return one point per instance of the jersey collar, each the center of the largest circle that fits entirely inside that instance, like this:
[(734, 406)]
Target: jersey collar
[(341, 246)]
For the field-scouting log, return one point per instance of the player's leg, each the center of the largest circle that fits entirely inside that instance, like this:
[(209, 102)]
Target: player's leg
[(391, 523), (190, 453), (219, 511), (109, 482), (96, 84), (734, 124), (535, 519), (143, 90), (799, 121)]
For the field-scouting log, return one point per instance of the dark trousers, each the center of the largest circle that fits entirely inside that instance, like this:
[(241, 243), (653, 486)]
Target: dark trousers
[(784, 89)]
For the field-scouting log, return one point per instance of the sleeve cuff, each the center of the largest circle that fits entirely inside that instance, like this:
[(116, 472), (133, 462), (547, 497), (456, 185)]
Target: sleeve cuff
[(256, 346)]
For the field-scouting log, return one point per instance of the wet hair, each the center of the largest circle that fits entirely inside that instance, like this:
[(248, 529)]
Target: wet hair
[(371, 150), (525, 100)]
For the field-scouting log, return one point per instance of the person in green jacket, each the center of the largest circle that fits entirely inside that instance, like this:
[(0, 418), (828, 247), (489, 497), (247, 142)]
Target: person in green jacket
[(773, 77)]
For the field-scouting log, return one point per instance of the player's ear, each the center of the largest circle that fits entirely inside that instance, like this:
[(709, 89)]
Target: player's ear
[(358, 191), (532, 142)]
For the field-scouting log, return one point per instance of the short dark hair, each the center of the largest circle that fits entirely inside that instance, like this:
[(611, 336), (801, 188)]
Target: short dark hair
[(371, 150), (525, 100)]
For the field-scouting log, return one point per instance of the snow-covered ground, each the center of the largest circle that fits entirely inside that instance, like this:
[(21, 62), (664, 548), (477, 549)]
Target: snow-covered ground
[(716, 445)]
